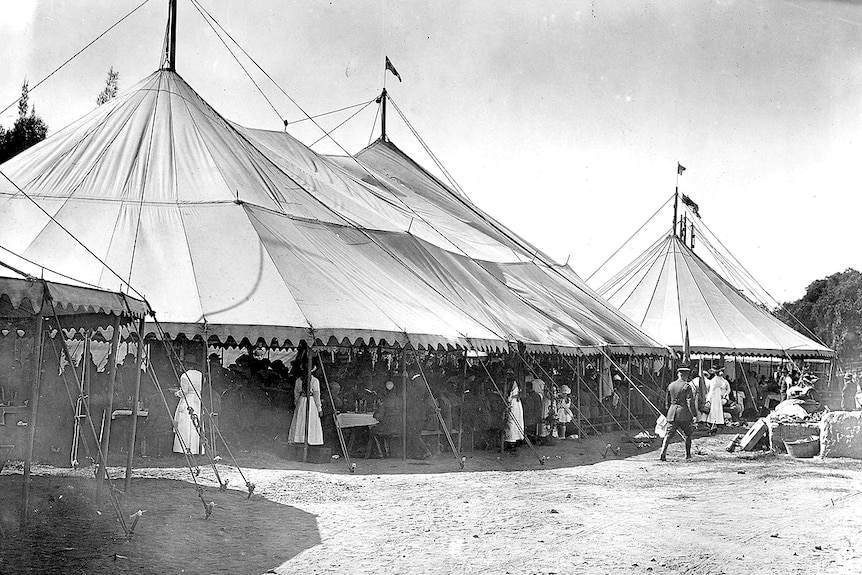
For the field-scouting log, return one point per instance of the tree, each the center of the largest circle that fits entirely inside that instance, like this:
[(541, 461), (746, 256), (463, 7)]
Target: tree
[(111, 87), (832, 309), (27, 130)]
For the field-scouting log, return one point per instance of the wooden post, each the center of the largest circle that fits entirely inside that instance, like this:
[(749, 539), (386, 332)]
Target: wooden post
[(106, 436), (206, 378), (383, 114), (578, 390), (34, 408), (461, 406), (172, 40), (404, 404), (136, 398), (307, 399), (85, 389), (629, 401)]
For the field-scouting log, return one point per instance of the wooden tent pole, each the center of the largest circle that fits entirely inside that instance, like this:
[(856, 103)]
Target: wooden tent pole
[(106, 437), (206, 378), (34, 407), (461, 406), (307, 399), (383, 97), (578, 394), (404, 404), (136, 398), (86, 372), (172, 40)]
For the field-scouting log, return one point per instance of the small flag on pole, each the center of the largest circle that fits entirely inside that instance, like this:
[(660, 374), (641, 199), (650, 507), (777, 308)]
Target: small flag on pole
[(691, 204), (679, 167), (392, 69)]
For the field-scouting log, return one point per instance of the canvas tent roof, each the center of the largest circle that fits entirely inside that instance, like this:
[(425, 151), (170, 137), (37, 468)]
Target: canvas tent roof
[(78, 306), (233, 232), (672, 285)]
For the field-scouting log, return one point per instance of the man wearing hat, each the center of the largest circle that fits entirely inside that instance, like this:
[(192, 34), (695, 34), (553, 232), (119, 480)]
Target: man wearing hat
[(680, 411)]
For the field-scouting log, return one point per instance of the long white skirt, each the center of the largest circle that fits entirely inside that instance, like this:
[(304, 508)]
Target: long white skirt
[(716, 409), (297, 425), (513, 431), (186, 429)]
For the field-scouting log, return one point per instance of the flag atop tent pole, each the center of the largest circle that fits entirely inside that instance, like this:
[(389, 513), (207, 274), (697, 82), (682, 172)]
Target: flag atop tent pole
[(392, 69)]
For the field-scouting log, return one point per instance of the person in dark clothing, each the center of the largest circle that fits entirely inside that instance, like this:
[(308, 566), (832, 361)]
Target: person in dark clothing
[(848, 393), (388, 413), (417, 412), (680, 412), (332, 406)]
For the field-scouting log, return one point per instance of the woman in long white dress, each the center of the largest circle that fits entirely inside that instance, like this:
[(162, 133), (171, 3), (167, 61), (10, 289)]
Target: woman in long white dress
[(718, 391), (514, 430), (297, 424), (186, 437)]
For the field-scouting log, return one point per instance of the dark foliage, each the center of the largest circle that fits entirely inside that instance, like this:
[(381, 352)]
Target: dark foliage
[(832, 309), (28, 129)]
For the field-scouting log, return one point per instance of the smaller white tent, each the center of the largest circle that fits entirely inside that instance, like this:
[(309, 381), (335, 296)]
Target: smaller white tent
[(670, 285)]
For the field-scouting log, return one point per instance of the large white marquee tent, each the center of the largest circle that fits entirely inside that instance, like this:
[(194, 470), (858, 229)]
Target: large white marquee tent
[(235, 233)]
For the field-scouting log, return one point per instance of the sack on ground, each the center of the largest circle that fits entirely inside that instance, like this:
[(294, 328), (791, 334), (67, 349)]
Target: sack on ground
[(705, 407)]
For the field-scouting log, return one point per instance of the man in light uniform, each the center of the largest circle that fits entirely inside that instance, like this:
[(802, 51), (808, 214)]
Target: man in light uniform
[(680, 412)]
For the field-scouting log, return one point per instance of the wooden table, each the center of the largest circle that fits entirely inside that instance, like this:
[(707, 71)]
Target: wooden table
[(351, 421), (120, 436)]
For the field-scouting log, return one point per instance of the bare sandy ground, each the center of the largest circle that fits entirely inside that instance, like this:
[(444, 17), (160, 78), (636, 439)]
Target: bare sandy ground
[(579, 513)]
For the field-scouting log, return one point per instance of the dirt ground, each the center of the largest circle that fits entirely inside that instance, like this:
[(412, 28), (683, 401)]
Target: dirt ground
[(581, 512)]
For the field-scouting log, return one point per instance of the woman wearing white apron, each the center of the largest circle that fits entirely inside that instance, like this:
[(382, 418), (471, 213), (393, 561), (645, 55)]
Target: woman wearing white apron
[(186, 436), (717, 393), (514, 429), (297, 425)]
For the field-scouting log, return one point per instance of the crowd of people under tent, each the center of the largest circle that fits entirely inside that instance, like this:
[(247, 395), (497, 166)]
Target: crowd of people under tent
[(258, 402)]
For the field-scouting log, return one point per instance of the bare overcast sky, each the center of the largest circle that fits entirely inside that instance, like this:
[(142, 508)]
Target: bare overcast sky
[(565, 120)]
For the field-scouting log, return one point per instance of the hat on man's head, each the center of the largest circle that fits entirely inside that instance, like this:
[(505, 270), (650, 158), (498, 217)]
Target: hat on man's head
[(390, 386), (618, 378), (683, 368), (565, 389)]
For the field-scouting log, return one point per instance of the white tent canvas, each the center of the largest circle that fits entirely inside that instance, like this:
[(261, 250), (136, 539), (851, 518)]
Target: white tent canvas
[(239, 233), (672, 285)]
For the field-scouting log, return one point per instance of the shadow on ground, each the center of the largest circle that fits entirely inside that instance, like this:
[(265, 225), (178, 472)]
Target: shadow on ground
[(74, 531)]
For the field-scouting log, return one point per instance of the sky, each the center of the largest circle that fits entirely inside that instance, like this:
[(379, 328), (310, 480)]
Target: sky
[(564, 120)]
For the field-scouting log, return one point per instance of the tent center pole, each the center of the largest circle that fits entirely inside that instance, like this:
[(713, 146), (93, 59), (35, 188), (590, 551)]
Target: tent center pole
[(34, 407), (135, 400)]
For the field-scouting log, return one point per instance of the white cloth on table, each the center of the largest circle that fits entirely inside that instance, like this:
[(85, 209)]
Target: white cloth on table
[(352, 419), (716, 393), (514, 417), (190, 397), (297, 424)]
